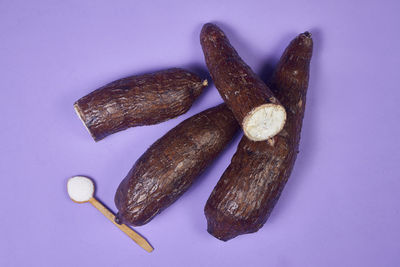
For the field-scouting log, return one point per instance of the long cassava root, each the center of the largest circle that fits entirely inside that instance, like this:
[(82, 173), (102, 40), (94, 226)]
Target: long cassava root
[(249, 188), (170, 166), (251, 101), (138, 100)]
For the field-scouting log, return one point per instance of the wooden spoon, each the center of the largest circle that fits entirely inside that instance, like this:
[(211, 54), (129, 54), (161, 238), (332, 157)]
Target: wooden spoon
[(81, 190)]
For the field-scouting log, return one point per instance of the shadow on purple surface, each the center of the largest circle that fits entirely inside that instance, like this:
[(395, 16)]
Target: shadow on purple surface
[(268, 64)]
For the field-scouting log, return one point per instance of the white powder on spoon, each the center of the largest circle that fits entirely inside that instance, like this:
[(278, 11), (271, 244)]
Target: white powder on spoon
[(80, 189)]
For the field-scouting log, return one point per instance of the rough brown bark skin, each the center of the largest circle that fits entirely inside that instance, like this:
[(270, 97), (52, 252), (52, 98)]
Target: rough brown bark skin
[(238, 85), (170, 166), (249, 188), (139, 100)]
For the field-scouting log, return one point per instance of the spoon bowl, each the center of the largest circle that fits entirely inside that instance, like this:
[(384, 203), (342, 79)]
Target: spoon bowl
[(80, 189)]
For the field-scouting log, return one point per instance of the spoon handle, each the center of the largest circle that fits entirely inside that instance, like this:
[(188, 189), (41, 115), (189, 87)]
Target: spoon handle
[(124, 228)]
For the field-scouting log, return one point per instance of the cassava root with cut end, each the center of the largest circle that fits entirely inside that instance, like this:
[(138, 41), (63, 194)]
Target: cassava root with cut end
[(170, 166), (254, 106), (138, 100), (244, 197)]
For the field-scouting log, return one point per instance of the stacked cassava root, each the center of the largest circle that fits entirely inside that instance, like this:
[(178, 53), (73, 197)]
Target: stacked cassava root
[(270, 117)]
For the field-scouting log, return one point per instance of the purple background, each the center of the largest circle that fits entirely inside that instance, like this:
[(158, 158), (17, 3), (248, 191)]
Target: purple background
[(341, 205)]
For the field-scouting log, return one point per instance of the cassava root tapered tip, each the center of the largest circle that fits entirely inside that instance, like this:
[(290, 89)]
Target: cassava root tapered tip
[(226, 228), (264, 122), (80, 116), (218, 235), (307, 34)]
